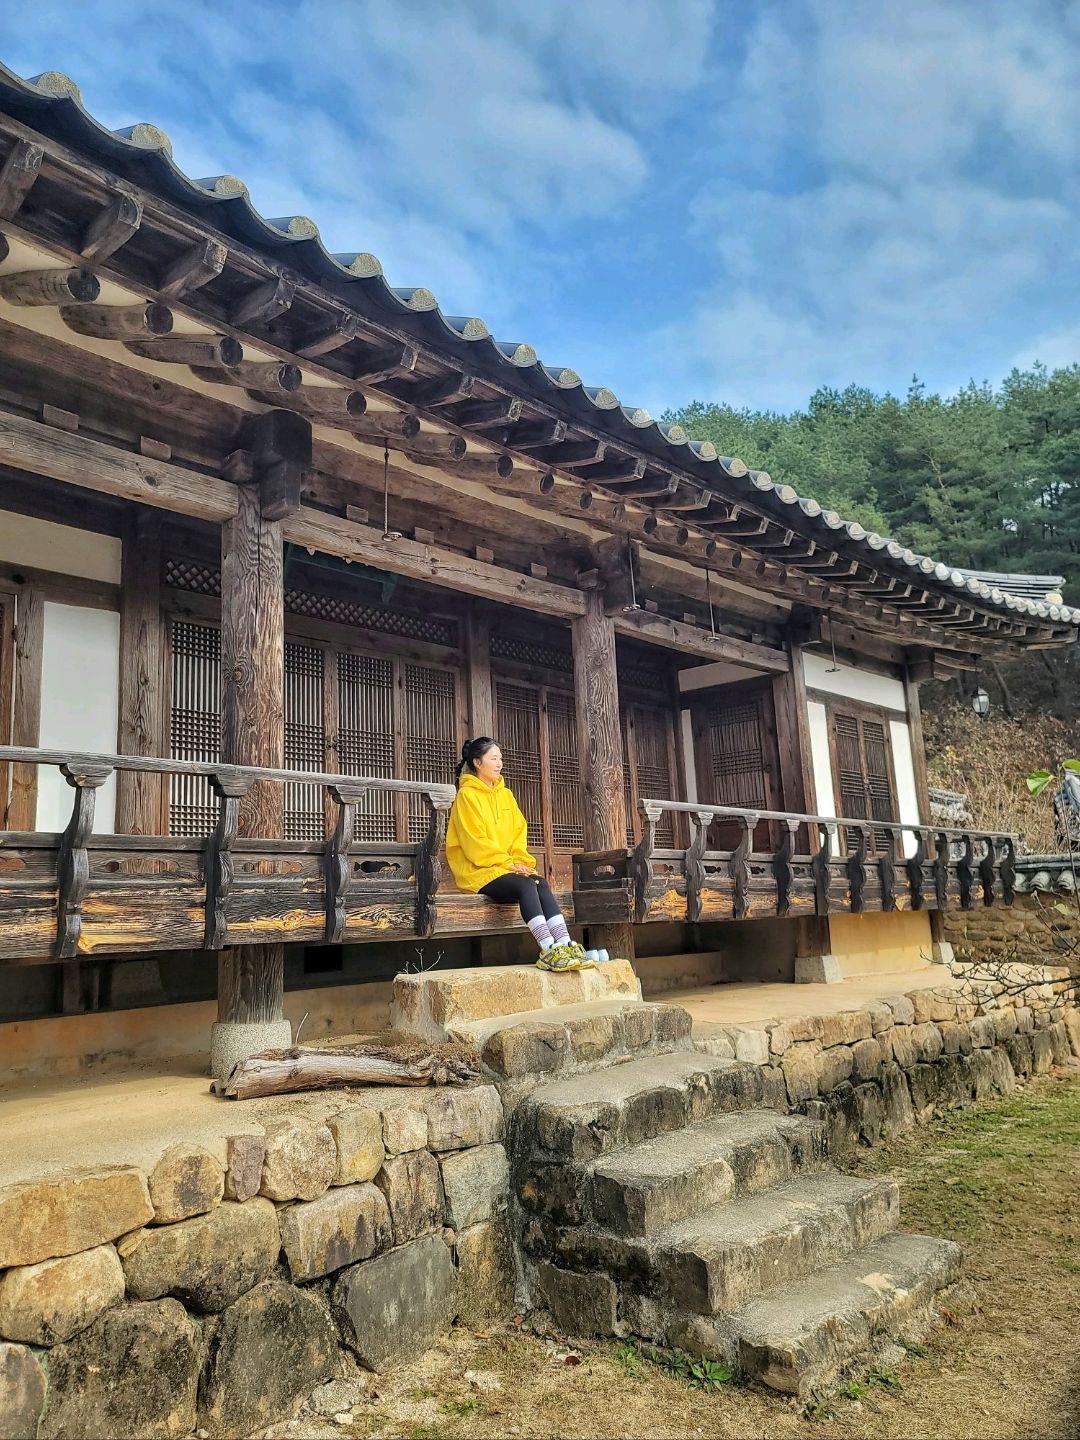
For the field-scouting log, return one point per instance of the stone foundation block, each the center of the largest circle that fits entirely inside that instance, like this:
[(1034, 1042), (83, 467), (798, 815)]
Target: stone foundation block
[(1018, 1048), (774, 1092), (871, 1110), (50, 1302), (925, 1083), (867, 1058), (1004, 1023), (346, 1225), (186, 1181), (881, 1017), (672, 1024), (485, 1272), (639, 1025), (751, 1045), (134, 1372), (982, 1074), (1002, 1074), (579, 1304), (846, 1027), (804, 1029), (1059, 1041), (529, 1049), (358, 1136), (476, 1184), (1071, 1021), (927, 1038), (1042, 1052), (982, 1032), (404, 1127), (457, 1119), (243, 1174), (233, 1041), (391, 1309), (800, 1067), (818, 970), (412, 1185), (905, 1046), (42, 1219), (269, 1351), (903, 1010), (594, 1037), (208, 1261), (779, 1039), (896, 1096), (22, 1392), (834, 1067), (955, 1038), (301, 1160), (1025, 1019)]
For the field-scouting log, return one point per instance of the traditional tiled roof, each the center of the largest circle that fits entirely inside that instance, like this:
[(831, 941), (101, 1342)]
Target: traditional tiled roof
[(52, 104)]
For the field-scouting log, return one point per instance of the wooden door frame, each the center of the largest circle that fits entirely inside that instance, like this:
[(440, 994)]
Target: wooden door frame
[(761, 691), (860, 710)]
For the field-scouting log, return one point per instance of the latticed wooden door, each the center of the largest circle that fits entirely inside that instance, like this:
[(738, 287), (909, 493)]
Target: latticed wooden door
[(650, 771), (736, 757), (537, 732), (863, 771)]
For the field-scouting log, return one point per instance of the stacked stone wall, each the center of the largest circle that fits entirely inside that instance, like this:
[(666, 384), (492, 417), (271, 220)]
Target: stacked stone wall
[(876, 1071), (220, 1296), (1032, 930)]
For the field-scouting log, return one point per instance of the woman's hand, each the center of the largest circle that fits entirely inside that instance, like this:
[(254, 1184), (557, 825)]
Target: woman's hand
[(520, 869)]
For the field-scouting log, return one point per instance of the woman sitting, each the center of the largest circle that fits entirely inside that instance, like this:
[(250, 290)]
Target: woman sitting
[(485, 848)]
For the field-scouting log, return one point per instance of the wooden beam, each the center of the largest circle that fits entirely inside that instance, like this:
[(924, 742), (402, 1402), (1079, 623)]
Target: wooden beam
[(689, 640), (50, 287), (264, 303), (112, 227), (279, 377), (438, 566), (478, 413), (141, 729), (478, 660), (325, 405), (118, 322), (383, 361), (197, 266), (21, 169), (39, 449), (331, 335), (214, 351)]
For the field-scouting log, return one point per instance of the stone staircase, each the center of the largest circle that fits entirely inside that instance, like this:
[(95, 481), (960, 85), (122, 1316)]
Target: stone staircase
[(663, 1192), (662, 1197)]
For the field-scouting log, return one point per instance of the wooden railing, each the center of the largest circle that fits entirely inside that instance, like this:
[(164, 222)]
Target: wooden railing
[(76, 892), (946, 868)]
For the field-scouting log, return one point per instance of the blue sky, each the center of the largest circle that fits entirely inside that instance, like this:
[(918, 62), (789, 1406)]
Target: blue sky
[(682, 199)]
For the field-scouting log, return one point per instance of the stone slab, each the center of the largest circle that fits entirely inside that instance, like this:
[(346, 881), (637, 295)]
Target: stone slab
[(348, 1224), (485, 1272), (392, 1308), (412, 1185), (358, 1135), (47, 1303), (476, 1184), (22, 1392), (186, 1181), (433, 1004), (40, 1220), (208, 1261)]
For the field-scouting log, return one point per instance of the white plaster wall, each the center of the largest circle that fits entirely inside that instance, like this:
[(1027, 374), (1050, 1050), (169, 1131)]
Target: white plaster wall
[(853, 684), (907, 796), (820, 759), (62, 549), (80, 687)]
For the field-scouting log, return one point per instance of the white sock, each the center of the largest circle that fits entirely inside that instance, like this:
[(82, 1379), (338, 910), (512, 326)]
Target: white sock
[(541, 934), (557, 926)]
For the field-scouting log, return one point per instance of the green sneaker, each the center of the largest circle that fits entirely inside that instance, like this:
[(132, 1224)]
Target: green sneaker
[(558, 959), (582, 955)]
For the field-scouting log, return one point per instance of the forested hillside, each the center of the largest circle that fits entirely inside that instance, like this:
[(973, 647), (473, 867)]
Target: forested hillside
[(988, 478)]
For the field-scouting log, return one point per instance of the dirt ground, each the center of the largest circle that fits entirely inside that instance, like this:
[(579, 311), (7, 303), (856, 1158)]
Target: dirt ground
[(1002, 1178)]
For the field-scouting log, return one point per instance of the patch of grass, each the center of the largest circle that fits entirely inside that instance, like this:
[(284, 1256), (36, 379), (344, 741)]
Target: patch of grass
[(818, 1409), (628, 1360), (914, 1348), (460, 1408), (853, 1390), (707, 1375), (885, 1376), (420, 1392)]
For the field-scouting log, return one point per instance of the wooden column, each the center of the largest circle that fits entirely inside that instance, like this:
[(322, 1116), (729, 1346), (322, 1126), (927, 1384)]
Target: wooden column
[(596, 689), (481, 689), (940, 949), (139, 796), (793, 736), (251, 977), (26, 712)]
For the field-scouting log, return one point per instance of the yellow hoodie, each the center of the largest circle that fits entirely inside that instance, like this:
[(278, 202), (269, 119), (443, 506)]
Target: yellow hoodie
[(487, 834)]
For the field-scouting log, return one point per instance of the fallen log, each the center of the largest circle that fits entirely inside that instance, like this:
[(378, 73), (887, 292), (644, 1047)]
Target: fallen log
[(280, 1072)]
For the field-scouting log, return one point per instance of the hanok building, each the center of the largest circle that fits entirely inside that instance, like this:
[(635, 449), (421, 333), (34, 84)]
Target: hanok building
[(276, 535)]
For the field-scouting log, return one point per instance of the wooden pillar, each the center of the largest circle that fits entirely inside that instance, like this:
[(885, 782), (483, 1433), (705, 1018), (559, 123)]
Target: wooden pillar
[(941, 950), (139, 796), (251, 977), (478, 659), (26, 712), (596, 688)]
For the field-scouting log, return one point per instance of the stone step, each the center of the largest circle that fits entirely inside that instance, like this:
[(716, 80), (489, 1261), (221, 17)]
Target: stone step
[(715, 1261), (640, 1190), (574, 1037), (583, 1116), (799, 1338), (432, 1004)]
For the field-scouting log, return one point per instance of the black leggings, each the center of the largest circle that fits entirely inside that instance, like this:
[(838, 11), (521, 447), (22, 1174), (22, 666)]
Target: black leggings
[(531, 893)]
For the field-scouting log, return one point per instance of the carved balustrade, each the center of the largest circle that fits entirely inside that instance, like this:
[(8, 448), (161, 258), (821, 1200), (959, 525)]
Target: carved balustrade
[(817, 865), (81, 893)]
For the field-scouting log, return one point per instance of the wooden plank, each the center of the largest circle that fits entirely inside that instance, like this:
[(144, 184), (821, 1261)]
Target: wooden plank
[(688, 639), (434, 564), (41, 450), (481, 691), (26, 715), (141, 729)]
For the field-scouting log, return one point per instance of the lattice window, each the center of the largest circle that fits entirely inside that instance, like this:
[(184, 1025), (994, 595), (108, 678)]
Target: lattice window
[(195, 728), (518, 726), (736, 752), (431, 748), (531, 652), (564, 778), (366, 737), (305, 739), (205, 579), (648, 767), (863, 772), (638, 674)]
